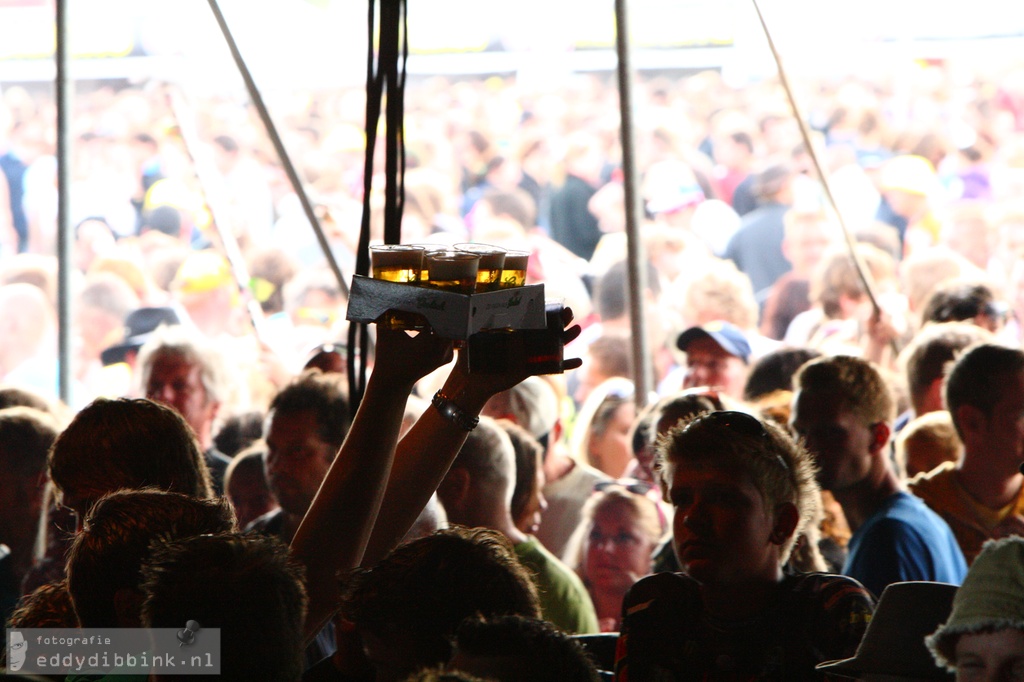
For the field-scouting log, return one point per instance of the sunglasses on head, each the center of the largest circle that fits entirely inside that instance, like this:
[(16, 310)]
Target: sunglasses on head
[(637, 487), (620, 391), (741, 423)]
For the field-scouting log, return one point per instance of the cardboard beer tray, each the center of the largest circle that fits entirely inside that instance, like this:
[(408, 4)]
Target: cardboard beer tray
[(451, 315)]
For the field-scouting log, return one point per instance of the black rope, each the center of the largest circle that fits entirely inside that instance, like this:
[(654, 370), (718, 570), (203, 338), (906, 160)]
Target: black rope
[(385, 73)]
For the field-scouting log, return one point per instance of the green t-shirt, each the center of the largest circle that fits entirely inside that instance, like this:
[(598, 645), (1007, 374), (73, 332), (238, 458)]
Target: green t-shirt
[(564, 599)]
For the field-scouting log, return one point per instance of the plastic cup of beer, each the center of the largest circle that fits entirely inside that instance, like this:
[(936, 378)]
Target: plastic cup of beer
[(427, 248), (400, 263), (492, 262), (513, 273), (453, 271), (396, 262)]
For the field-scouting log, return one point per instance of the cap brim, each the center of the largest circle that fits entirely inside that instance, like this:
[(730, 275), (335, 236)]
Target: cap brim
[(689, 336), (116, 354), (694, 333)]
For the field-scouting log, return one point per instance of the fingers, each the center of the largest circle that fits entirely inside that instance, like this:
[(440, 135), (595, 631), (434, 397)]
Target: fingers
[(571, 333), (567, 316), (571, 363)]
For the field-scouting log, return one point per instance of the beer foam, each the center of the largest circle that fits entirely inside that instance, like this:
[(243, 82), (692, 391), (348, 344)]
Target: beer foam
[(453, 268), (405, 258)]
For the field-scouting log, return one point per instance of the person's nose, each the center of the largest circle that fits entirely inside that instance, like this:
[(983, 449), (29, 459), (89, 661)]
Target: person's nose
[(695, 517), (698, 375), (162, 393), (542, 502), (271, 464)]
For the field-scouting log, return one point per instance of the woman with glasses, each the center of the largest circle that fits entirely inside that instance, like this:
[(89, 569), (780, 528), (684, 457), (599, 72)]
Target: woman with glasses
[(612, 548), (742, 492)]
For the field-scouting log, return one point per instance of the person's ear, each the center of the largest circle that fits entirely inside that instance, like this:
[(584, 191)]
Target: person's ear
[(787, 517), (933, 397), (880, 433), (214, 410), (454, 489), (553, 439), (970, 419)]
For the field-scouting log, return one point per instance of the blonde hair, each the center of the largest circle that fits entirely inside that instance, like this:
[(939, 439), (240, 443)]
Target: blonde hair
[(596, 412), (720, 292), (926, 442)]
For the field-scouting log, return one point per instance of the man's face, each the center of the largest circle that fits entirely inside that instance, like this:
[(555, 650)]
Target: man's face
[(249, 495), (983, 656), (296, 460), (94, 327), (805, 246), (177, 382), (708, 364), (841, 444), (721, 528), (1004, 429)]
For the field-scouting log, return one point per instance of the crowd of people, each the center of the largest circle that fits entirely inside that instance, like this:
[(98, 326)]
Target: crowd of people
[(827, 469)]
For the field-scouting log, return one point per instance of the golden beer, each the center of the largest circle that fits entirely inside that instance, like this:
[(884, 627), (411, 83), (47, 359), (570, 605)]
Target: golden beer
[(492, 260), (400, 263), (396, 262), (397, 274), (514, 272)]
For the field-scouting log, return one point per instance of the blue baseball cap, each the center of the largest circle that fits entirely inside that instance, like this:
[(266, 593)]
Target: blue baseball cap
[(727, 335)]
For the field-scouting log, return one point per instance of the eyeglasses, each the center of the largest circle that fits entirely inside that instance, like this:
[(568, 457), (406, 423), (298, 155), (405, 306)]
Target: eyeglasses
[(621, 539), (743, 424)]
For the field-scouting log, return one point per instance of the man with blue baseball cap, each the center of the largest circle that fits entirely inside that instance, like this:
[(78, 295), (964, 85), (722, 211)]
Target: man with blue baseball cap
[(717, 356)]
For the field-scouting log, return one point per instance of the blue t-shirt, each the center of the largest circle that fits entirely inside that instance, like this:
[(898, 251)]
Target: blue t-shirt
[(904, 540)]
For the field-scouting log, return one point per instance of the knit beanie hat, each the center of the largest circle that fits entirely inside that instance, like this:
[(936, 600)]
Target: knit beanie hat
[(990, 599)]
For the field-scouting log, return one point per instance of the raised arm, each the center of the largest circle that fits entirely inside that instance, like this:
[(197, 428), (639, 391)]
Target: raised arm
[(427, 451), (334, 532)]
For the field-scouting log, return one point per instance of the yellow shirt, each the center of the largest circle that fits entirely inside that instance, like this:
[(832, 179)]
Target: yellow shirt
[(971, 522)]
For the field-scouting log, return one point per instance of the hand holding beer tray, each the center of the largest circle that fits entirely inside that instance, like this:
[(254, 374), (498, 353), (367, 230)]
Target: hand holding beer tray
[(446, 302)]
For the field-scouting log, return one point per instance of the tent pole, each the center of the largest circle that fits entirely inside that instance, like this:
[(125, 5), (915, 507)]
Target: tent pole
[(275, 138), (636, 258), (64, 236)]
